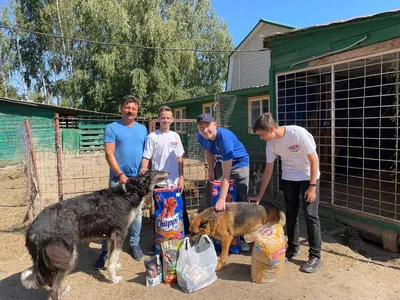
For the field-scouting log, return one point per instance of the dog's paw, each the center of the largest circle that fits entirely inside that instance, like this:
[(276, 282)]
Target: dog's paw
[(116, 279), (219, 267)]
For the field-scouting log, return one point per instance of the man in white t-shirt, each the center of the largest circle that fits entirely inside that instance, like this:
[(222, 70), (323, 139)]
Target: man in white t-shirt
[(300, 173), (165, 150)]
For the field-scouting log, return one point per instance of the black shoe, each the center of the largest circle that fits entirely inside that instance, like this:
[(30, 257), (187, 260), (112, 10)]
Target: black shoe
[(313, 264), (100, 263), (290, 255)]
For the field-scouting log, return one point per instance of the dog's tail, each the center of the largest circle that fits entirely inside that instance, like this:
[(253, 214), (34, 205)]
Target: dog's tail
[(282, 218), (50, 259)]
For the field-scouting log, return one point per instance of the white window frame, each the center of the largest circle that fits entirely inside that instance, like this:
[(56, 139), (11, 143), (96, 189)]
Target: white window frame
[(210, 105), (180, 127), (250, 101)]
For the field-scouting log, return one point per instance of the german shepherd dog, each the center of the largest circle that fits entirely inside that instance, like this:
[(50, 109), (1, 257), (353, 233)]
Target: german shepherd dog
[(53, 237), (237, 219)]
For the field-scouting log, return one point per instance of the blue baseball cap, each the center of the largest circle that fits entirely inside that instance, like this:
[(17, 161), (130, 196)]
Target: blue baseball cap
[(205, 117)]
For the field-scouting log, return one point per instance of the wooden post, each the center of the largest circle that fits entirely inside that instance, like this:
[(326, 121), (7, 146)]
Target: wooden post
[(390, 241), (59, 156), (32, 153)]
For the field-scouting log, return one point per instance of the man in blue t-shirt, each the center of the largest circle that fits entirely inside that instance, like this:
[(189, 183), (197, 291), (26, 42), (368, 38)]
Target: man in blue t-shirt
[(124, 142), (226, 158)]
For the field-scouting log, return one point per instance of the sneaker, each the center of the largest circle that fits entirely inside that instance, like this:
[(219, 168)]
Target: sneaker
[(136, 252), (152, 250), (313, 264), (101, 262), (244, 247)]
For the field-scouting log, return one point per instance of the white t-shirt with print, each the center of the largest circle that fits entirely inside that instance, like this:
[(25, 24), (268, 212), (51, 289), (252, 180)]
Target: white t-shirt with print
[(163, 149), (293, 148)]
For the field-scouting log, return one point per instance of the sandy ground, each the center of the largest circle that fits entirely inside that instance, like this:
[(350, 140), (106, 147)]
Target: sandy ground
[(361, 271)]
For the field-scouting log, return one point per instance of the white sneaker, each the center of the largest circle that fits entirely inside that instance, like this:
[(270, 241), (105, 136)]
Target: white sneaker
[(244, 247)]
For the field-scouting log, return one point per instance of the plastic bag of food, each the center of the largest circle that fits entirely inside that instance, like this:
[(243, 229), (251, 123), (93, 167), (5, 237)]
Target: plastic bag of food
[(153, 270), (168, 216), (268, 254), (230, 197), (196, 265), (170, 251)]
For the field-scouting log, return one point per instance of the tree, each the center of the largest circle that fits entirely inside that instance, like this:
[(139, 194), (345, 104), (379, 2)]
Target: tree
[(96, 76)]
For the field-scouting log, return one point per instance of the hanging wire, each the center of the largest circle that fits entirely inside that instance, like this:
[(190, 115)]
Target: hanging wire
[(13, 28)]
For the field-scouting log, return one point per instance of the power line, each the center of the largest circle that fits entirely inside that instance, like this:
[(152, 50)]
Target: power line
[(56, 36)]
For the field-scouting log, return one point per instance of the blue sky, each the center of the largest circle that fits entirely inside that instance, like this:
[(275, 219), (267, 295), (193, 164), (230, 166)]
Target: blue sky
[(241, 15)]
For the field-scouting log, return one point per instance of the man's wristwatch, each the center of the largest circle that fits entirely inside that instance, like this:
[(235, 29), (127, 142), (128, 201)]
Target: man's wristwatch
[(313, 184)]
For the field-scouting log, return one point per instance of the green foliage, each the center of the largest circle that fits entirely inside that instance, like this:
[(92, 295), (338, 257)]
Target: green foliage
[(94, 76)]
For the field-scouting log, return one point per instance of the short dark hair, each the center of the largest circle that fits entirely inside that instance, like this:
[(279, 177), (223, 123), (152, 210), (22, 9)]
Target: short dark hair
[(264, 122), (130, 99), (164, 108)]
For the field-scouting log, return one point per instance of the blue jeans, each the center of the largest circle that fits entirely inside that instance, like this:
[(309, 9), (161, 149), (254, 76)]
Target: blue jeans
[(136, 227)]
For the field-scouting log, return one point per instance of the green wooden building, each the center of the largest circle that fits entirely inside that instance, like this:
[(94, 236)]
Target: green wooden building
[(231, 110), (80, 130), (341, 82)]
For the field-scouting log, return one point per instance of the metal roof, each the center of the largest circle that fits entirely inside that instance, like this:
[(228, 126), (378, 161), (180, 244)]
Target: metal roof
[(60, 109), (382, 14), (247, 90)]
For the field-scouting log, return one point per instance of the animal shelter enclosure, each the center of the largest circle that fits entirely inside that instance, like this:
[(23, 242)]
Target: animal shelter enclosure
[(352, 110)]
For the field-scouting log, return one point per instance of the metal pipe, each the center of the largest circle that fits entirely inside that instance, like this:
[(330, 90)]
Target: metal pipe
[(330, 53), (59, 156)]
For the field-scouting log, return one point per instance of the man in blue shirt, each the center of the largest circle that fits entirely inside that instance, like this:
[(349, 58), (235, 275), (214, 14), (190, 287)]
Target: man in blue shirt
[(226, 158), (124, 142)]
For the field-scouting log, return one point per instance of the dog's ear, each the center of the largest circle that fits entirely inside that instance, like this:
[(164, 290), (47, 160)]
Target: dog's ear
[(195, 225)]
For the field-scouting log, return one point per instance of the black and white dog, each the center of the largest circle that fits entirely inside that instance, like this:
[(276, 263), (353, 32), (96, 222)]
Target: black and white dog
[(53, 237)]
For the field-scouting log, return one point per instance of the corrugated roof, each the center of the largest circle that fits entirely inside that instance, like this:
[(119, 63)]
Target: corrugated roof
[(61, 109), (249, 90), (382, 14)]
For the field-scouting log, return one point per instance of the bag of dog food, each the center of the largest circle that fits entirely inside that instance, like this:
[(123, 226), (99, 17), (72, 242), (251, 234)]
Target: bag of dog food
[(170, 252), (196, 265), (230, 197), (153, 270), (268, 255), (168, 216)]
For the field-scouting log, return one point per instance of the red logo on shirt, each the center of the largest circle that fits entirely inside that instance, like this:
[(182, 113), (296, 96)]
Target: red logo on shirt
[(294, 148)]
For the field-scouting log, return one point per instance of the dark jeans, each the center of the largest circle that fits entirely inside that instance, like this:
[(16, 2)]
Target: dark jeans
[(185, 216), (293, 190)]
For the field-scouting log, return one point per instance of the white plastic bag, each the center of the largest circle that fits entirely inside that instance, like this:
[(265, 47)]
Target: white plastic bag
[(196, 265)]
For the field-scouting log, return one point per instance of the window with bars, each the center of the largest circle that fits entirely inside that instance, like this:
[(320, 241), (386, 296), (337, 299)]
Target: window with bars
[(257, 106), (352, 110)]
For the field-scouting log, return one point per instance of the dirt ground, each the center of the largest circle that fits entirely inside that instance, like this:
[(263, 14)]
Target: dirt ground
[(353, 269)]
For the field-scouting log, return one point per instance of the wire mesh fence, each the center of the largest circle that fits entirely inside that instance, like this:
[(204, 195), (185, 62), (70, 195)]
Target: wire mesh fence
[(48, 159), (352, 109)]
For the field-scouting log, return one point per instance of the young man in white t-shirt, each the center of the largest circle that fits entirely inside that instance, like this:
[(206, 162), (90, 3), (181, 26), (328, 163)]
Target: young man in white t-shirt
[(165, 150), (300, 173)]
